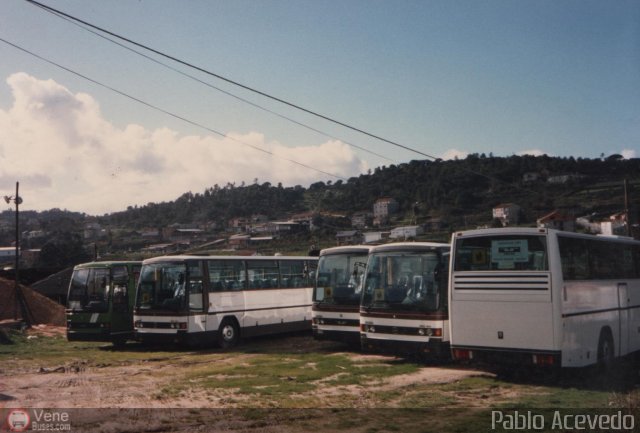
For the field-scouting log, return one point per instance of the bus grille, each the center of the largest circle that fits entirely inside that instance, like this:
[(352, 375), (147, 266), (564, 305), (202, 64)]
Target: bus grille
[(501, 281)]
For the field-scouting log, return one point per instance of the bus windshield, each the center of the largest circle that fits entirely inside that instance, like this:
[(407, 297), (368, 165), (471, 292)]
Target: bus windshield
[(501, 252), (340, 278), (405, 281), (89, 290), (162, 287)]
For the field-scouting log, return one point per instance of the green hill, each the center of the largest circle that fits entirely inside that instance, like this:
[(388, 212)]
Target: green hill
[(460, 192)]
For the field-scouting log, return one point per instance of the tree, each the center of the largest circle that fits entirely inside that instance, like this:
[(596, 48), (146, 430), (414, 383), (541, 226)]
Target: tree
[(65, 249)]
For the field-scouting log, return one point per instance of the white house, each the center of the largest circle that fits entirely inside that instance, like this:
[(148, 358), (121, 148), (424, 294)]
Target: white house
[(507, 213), (406, 232)]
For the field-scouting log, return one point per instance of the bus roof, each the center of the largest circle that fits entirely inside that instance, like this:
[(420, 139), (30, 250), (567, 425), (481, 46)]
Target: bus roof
[(541, 231), (107, 263), (408, 246), (345, 249), (503, 230), (184, 258)]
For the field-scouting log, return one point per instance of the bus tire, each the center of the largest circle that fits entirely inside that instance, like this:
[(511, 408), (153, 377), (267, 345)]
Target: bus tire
[(606, 353), (228, 333)]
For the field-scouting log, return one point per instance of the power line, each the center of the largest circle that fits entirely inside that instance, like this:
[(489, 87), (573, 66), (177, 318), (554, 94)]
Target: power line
[(194, 78), (251, 89), (228, 80), (169, 113)]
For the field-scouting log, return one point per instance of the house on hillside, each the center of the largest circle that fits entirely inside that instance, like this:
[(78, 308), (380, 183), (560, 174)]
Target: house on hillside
[(507, 213), (383, 208), (558, 221), (361, 220), (530, 177), (239, 241), (564, 178), (615, 225), (239, 224), (406, 232), (349, 237), (374, 237), (305, 219)]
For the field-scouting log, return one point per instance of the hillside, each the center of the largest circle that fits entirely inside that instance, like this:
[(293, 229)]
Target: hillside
[(458, 194), (462, 192)]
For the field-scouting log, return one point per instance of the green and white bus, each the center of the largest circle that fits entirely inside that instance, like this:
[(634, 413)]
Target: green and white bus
[(100, 301)]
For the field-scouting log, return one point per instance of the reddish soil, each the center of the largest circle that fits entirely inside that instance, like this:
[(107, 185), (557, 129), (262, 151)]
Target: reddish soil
[(41, 309)]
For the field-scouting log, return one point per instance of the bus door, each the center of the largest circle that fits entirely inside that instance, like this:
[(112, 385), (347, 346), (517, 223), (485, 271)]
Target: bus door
[(624, 319), (194, 292), (227, 283), (121, 313)]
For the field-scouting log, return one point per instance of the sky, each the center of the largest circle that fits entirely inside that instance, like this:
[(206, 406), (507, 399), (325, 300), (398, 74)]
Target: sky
[(90, 126)]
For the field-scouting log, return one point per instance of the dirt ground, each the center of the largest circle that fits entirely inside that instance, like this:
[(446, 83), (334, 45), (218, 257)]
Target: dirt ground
[(107, 390), (138, 383)]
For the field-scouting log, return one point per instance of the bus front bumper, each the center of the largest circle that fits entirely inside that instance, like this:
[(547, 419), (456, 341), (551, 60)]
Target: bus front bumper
[(433, 349)]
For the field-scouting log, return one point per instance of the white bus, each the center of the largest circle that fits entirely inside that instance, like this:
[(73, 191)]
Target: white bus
[(336, 297), (404, 302), (201, 300), (543, 297)]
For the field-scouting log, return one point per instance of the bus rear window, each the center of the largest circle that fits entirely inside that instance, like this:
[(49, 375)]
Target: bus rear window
[(513, 252)]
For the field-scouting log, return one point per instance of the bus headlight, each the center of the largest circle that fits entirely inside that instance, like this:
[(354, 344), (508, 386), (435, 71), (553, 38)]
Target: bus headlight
[(178, 325), (430, 332), (371, 328), (138, 324)]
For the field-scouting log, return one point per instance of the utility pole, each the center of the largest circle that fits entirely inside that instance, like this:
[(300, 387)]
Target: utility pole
[(626, 206), (17, 200), (20, 301)]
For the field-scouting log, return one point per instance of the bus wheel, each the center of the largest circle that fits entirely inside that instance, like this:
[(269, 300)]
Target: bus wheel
[(229, 334), (605, 351)]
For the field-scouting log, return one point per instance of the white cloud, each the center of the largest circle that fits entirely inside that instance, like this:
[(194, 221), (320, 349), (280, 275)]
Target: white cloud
[(454, 154), (628, 153), (66, 155)]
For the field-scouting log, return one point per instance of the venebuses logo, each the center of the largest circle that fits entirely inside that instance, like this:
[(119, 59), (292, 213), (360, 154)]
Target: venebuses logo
[(18, 420)]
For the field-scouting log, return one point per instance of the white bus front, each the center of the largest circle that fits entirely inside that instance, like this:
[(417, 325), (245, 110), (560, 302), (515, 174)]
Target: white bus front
[(404, 304), (336, 297), (170, 302)]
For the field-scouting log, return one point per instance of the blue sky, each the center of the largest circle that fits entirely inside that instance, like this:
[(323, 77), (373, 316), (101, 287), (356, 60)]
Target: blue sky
[(446, 78)]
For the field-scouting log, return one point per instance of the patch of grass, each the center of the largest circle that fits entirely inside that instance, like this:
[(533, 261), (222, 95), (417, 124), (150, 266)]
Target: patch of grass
[(286, 377), (34, 351)]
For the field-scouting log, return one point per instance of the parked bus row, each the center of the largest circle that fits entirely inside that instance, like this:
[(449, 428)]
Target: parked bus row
[(190, 299), (523, 295), (389, 298)]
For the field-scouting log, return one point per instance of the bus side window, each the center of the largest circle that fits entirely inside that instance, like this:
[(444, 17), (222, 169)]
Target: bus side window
[(263, 274), (226, 275), (573, 258)]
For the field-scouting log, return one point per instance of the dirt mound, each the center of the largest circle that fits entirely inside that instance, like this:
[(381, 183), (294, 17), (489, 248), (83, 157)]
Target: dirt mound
[(42, 310)]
